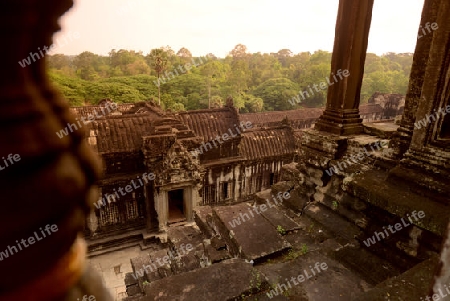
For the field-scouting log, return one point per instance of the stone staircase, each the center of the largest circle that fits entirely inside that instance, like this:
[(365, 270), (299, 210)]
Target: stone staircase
[(274, 246), (411, 285), (187, 249), (390, 273)]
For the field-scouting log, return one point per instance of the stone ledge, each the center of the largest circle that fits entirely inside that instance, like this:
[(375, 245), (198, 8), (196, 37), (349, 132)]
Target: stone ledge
[(208, 283), (398, 199), (409, 286), (384, 130), (333, 222), (252, 239)]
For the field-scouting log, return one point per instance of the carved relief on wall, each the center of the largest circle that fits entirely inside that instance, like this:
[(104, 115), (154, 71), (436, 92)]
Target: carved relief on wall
[(170, 160), (179, 165)]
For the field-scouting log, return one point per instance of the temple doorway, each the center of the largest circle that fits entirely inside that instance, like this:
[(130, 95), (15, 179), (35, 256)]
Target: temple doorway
[(176, 206)]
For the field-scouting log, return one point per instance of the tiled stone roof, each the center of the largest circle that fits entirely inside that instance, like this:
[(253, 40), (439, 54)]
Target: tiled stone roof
[(119, 133), (124, 133), (122, 109), (210, 123), (260, 143), (85, 111), (269, 118), (147, 107)]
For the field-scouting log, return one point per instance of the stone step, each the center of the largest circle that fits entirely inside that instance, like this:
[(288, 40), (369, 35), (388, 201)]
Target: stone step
[(216, 250), (333, 222), (202, 217), (371, 267), (388, 249), (187, 247), (227, 280), (273, 212), (150, 267), (383, 130), (280, 221), (384, 162), (186, 250), (179, 237), (110, 244), (400, 202), (132, 285), (313, 277), (101, 251), (247, 234), (412, 285)]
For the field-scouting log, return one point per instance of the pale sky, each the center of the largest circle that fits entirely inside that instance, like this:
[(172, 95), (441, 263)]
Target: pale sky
[(212, 26)]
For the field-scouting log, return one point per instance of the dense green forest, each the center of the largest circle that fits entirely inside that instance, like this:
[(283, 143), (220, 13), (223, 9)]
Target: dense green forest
[(256, 81)]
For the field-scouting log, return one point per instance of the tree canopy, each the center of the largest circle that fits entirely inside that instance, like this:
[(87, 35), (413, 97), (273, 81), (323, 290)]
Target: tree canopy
[(256, 81)]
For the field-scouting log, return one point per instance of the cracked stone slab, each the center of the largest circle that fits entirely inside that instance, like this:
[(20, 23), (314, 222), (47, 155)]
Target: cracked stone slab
[(208, 283), (254, 238)]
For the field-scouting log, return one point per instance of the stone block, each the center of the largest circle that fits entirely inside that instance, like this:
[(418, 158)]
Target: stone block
[(227, 280), (248, 236), (133, 290)]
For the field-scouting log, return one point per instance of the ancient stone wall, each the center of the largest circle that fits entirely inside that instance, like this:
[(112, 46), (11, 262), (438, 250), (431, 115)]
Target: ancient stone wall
[(392, 104), (328, 179)]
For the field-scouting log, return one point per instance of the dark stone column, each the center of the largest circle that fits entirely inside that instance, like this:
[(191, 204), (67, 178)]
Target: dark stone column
[(341, 115), (402, 137), (151, 215), (426, 162)]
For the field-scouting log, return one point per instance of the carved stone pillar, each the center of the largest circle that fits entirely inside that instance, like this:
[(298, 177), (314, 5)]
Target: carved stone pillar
[(427, 161), (341, 115), (151, 215), (402, 137), (162, 208), (189, 197)]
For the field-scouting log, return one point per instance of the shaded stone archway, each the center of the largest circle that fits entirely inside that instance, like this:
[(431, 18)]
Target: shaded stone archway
[(176, 204)]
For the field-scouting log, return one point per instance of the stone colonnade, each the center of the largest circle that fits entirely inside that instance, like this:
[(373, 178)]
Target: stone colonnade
[(422, 152)]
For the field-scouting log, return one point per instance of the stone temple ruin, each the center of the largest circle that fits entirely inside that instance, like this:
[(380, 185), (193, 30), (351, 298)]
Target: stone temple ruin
[(165, 144), (138, 139), (302, 205)]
